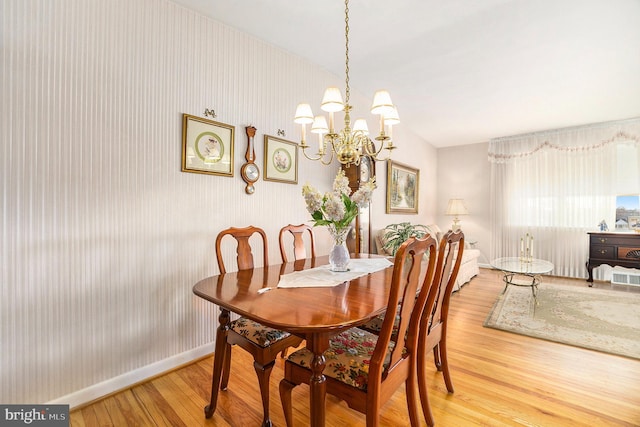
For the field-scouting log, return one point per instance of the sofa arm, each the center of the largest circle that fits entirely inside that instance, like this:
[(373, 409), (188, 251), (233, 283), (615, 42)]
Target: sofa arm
[(378, 242)]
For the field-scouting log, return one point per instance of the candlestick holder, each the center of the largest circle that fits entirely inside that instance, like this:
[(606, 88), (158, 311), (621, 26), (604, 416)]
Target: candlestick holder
[(526, 248), (526, 258)]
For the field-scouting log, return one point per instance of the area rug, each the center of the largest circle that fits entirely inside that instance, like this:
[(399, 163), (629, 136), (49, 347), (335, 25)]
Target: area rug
[(598, 319)]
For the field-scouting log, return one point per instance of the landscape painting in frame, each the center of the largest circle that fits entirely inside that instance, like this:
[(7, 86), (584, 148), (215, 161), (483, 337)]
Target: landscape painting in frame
[(207, 146), (280, 160), (402, 188), (627, 212)]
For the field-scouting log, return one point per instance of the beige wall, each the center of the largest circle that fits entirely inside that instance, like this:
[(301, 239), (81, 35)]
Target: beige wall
[(103, 237), (424, 158), (464, 173)]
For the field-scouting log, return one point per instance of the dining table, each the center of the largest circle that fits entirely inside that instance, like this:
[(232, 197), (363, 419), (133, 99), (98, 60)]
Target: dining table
[(315, 313)]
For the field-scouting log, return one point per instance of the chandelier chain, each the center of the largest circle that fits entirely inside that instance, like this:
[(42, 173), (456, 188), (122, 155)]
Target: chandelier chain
[(346, 36), (348, 145)]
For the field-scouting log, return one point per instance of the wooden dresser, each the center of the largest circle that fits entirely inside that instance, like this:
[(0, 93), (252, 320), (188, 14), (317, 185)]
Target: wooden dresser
[(614, 249)]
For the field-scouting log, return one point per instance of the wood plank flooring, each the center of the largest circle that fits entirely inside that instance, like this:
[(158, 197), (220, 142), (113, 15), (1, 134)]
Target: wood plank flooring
[(500, 379)]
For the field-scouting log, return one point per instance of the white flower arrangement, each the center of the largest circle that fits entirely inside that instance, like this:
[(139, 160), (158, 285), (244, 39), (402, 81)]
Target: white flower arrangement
[(338, 208)]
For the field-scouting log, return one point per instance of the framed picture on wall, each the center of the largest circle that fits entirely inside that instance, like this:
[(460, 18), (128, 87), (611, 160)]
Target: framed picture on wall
[(280, 160), (627, 211), (402, 188), (207, 146)]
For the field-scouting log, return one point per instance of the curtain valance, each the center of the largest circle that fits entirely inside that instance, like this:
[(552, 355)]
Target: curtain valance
[(579, 138)]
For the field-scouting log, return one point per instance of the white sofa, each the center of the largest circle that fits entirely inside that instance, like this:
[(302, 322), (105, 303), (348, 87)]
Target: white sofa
[(468, 267)]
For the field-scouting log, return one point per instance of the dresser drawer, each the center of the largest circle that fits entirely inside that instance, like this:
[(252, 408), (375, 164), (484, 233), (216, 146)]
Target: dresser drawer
[(600, 240), (613, 249), (602, 252), (626, 239), (632, 253)]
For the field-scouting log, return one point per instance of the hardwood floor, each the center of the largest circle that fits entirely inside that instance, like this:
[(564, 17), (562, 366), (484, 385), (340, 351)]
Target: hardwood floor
[(500, 379)]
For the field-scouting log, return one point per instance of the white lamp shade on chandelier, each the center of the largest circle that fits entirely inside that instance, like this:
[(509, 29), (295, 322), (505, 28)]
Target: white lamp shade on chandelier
[(351, 143), (382, 103), (332, 100)]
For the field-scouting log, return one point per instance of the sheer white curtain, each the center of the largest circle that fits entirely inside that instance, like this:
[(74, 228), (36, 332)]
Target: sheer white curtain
[(557, 185)]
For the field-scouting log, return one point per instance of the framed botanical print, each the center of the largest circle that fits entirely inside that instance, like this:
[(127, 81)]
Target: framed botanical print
[(280, 160), (207, 146), (402, 188)]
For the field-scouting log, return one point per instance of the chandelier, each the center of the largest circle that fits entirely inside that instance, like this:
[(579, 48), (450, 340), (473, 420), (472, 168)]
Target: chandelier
[(351, 143)]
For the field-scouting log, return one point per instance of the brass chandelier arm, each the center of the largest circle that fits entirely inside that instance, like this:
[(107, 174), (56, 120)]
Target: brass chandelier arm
[(351, 143), (375, 154), (368, 149), (320, 155)]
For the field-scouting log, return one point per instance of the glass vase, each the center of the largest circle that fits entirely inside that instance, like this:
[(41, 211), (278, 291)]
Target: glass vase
[(339, 255)]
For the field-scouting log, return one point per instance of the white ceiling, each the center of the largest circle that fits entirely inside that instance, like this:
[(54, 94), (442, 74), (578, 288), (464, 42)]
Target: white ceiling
[(465, 71)]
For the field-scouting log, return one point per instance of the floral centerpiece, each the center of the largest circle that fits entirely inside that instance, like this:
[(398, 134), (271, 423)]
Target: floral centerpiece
[(337, 209)]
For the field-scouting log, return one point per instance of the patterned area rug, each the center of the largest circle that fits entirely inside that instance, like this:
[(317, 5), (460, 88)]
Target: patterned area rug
[(599, 319)]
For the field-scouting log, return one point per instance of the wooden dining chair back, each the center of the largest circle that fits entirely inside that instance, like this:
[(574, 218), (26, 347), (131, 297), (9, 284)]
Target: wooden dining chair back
[(365, 369), (244, 252), (299, 246), (433, 325), (262, 342)]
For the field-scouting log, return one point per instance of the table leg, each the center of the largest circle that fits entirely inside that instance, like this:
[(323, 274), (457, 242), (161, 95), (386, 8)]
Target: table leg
[(219, 359), (317, 385), (535, 281), (508, 278), (589, 273)]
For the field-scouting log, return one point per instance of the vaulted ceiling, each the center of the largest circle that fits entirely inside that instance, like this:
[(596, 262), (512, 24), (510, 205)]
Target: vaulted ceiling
[(465, 71)]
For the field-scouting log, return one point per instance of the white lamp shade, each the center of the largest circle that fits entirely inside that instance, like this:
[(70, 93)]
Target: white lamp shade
[(361, 125), (332, 100), (456, 207), (392, 118), (382, 103), (319, 125), (304, 114)]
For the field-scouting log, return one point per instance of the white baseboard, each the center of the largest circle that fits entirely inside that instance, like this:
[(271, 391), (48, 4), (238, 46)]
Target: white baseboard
[(121, 382)]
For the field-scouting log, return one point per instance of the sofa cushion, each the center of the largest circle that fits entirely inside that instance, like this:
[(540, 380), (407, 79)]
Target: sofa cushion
[(468, 267), (381, 243), (435, 232)]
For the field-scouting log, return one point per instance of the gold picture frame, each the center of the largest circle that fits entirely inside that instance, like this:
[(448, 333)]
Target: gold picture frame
[(402, 188), (280, 160), (207, 146)]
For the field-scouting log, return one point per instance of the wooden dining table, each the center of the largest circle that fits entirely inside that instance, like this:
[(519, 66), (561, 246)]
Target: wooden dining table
[(314, 313)]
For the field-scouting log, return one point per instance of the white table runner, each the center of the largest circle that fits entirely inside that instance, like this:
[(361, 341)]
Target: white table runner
[(323, 277)]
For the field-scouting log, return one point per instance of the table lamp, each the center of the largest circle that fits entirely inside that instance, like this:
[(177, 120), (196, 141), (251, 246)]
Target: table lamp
[(455, 208)]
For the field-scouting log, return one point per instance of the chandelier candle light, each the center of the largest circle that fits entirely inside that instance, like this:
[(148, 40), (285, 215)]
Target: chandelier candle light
[(348, 144)]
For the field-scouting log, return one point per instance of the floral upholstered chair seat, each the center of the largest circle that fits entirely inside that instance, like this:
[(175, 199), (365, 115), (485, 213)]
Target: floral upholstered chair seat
[(258, 333), (375, 325), (347, 358)]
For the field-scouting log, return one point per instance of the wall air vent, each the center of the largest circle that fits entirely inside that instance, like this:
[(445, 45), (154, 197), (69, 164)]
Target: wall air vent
[(625, 276)]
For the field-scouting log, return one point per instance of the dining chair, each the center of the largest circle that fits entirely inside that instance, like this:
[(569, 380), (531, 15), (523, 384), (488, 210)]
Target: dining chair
[(264, 343), (299, 247), (433, 324), (365, 369)]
